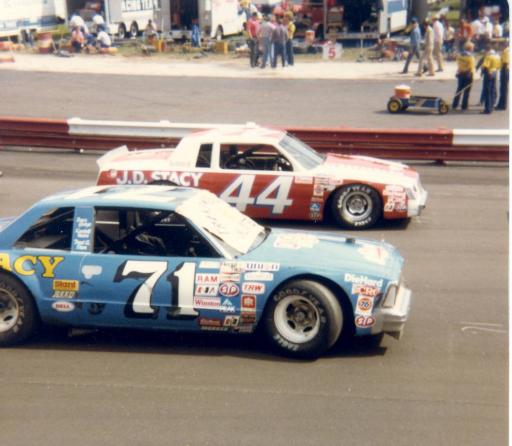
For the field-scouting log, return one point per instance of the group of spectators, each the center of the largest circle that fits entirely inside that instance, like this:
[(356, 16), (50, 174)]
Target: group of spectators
[(270, 39), (82, 38)]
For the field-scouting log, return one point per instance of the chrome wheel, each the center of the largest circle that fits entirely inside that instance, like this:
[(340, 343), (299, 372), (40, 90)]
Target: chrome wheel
[(356, 205), (297, 319), (9, 310)]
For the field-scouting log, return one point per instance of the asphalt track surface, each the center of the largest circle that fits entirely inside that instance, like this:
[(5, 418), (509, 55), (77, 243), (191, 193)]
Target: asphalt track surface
[(286, 102), (444, 383)]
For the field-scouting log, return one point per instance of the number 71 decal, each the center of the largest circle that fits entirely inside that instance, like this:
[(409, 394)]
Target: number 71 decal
[(139, 302), (242, 188)]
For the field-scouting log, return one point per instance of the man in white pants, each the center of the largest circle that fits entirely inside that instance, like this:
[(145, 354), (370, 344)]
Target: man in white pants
[(438, 28)]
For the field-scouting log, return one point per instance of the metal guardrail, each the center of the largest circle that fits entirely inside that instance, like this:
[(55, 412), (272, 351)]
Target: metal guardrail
[(405, 144)]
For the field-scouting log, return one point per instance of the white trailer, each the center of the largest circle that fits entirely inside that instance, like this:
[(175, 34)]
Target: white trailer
[(216, 18), (30, 16)]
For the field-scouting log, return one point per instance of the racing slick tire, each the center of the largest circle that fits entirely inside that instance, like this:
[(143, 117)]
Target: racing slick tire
[(303, 319), (18, 315), (356, 206), (394, 106), (443, 107)]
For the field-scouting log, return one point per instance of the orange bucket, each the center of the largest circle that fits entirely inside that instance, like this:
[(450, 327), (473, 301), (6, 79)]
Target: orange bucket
[(403, 91)]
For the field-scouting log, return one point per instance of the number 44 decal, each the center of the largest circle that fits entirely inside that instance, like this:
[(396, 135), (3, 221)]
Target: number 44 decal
[(182, 288), (238, 193)]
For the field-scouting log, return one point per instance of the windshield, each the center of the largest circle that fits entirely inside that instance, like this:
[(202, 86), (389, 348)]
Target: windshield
[(308, 157), (226, 223)]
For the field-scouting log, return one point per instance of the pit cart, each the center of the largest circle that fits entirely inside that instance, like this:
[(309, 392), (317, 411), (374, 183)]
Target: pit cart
[(402, 100)]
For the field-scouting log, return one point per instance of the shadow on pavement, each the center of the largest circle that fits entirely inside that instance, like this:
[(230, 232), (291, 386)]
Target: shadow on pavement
[(196, 344)]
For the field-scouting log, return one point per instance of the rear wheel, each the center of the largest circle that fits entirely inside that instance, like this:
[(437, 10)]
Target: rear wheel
[(134, 30), (356, 206), (443, 107), (303, 319), (18, 316), (394, 105), (121, 31), (219, 33)]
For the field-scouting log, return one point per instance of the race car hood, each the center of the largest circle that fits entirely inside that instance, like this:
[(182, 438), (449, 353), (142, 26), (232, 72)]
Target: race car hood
[(364, 168), (124, 159), (325, 251)]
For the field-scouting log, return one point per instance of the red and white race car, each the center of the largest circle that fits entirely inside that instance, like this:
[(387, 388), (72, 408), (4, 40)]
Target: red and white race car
[(268, 173)]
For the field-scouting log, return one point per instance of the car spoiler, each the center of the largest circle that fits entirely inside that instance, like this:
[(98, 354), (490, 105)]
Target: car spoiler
[(111, 154)]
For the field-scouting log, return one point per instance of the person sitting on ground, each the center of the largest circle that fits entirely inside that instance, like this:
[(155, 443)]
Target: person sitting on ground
[(103, 41), (77, 39), (98, 22)]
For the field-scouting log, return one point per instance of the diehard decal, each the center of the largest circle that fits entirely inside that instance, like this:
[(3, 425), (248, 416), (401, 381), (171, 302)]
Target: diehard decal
[(363, 280)]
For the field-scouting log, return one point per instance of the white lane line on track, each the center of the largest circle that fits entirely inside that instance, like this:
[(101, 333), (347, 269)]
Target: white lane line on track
[(487, 327)]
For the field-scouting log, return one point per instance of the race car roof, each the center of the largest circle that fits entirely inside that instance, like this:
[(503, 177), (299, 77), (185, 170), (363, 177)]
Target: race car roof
[(245, 132), (162, 197)]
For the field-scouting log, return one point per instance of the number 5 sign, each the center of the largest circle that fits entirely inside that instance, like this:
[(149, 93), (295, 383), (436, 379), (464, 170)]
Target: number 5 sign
[(332, 51)]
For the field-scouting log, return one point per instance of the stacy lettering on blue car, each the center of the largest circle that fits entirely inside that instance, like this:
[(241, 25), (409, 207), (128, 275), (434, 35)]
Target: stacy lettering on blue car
[(174, 258)]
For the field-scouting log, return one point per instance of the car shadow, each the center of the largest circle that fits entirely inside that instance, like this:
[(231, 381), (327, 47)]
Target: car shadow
[(251, 346)]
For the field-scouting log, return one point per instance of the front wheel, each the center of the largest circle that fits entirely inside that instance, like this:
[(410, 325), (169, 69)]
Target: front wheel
[(303, 319), (134, 30), (18, 316), (443, 107), (121, 31), (356, 206), (394, 106)]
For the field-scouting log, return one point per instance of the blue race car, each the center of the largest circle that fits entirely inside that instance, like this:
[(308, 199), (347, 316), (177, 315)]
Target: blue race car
[(173, 258)]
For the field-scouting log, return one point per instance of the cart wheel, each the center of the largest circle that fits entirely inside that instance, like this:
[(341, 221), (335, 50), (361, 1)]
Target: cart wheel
[(394, 105), (443, 107)]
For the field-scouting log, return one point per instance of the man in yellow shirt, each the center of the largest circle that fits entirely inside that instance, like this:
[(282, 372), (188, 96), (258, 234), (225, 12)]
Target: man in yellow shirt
[(290, 26), (490, 66), (465, 72), (502, 103)]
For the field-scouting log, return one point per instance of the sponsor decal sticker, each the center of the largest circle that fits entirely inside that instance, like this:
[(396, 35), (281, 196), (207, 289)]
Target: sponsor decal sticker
[(207, 303), (248, 302), (259, 275), (253, 288), (209, 322), (227, 306), (375, 254), (65, 285), (261, 266), (247, 318), (365, 321), (26, 265), (232, 267), (189, 179), (315, 208), (63, 306), (303, 180), (82, 230), (89, 271), (207, 264), (363, 280), (64, 294), (206, 290), (229, 289), (318, 190), (207, 279), (365, 290), (231, 321), (229, 278), (364, 305)]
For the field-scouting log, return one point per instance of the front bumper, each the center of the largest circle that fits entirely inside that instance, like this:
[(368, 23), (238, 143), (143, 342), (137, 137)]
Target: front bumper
[(417, 204), (392, 320)]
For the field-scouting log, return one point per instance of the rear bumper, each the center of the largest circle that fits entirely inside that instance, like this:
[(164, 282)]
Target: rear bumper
[(394, 318)]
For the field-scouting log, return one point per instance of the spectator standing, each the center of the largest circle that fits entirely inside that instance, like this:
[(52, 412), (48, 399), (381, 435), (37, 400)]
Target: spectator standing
[(490, 66), (264, 40), (253, 26), (497, 29), (196, 34), (438, 29), (465, 74), (245, 6), (290, 27), (504, 74), (465, 33), (150, 32), (414, 44), (449, 37), (427, 54), (279, 36), (477, 31)]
